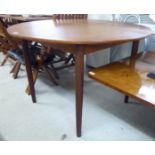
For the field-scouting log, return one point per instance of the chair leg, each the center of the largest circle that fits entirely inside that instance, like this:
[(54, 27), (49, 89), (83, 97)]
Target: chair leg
[(5, 59), (16, 70), (35, 75), (54, 71), (51, 77), (13, 68), (126, 99), (69, 58)]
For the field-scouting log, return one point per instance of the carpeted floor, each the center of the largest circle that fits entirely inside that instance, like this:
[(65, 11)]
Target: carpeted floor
[(105, 116)]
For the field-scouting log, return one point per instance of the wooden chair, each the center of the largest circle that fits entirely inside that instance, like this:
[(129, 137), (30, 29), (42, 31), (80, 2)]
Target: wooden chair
[(59, 55), (9, 46), (41, 65), (14, 51), (69, 16), (7, 20)]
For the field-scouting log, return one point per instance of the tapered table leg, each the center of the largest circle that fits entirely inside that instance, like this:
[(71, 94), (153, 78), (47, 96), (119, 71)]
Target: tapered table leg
[(126, 99), (29, 69), (79, 69), (134, 52)]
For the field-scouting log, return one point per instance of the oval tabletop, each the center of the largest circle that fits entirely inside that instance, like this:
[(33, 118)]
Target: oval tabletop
[(78, 32)]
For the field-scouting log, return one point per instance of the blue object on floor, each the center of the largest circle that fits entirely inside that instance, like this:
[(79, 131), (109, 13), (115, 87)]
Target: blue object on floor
[(17, 55), (151, 74)]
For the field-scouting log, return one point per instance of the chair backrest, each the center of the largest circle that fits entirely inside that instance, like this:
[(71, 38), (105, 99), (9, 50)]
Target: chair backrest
[(132, 19), (2, 29), (9, 41), (69, 16), (8, 20), (128, 18)]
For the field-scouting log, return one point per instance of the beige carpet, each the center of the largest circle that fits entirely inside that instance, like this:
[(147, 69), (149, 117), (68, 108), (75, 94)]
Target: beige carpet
[(105, 116)]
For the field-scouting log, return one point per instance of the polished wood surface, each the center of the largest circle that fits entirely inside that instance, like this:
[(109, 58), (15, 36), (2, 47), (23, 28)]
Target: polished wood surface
[(128, 80), (79, 31), (80, 37)]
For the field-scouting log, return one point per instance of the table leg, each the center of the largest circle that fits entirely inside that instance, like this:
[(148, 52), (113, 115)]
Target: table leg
[(79, 73), (29, 69), (134, 52)]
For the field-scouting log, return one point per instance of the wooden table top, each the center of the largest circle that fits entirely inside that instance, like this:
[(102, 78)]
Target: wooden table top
[(79, 31), (128, 80)]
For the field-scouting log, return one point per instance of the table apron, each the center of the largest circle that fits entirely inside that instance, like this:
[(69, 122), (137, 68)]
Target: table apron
[(73, 48)]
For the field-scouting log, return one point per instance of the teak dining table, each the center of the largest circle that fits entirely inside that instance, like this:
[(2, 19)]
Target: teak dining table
[(79, 37)]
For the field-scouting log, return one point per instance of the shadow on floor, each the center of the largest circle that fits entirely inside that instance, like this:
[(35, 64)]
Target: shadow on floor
[(134, 113), (1, 138)]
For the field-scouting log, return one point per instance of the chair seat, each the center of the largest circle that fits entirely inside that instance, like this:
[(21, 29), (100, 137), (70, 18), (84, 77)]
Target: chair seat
[(17, 55)]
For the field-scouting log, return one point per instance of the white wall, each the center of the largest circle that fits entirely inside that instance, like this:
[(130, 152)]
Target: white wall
[(100, 16)]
